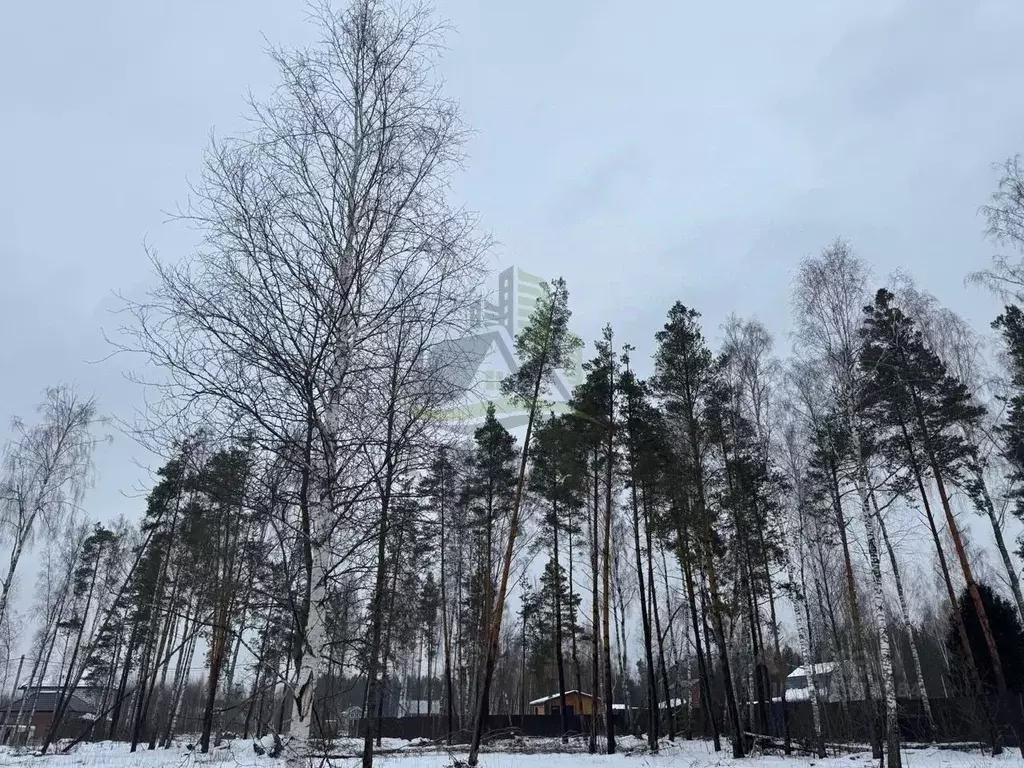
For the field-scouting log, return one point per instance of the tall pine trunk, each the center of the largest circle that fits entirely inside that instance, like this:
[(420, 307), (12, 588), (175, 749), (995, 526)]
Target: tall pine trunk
[(573, 628), (494, 628), (186, 653), (661, 634), (645, 619), (595, 620), (449, 689), (707, 699), (669, 704), (609, 708), (559, 660), (619, 622)]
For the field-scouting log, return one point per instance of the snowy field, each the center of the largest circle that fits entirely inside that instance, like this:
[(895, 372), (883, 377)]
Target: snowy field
[(404, 755)]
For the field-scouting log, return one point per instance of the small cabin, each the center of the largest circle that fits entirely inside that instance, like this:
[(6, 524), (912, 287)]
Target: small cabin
[(30, 715), (576, 703)]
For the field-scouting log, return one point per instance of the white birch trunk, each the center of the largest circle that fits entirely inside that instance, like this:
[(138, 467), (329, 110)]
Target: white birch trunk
[(888, 678), (16, 552), (751, 704), (905, 611), (312, 667), (802, 633), (688, 650), (313, 664), (862, 486)]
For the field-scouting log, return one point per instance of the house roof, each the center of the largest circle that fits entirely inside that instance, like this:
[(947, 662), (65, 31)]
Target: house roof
[(44, 701), (822, 668), (545, 699)]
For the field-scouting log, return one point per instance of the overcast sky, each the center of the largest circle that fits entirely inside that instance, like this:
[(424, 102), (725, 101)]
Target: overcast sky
[(648, 152)]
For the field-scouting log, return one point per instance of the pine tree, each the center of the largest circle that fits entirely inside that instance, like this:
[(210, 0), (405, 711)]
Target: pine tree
[(750, 488), (910, 387), (594, 411), (87, 587), (1009, 633), (544, 346), (439, 490), (1010, 324), (430, 602), (753, 373), (488, 494), (558, 476), (162, 525), (686, 375), (641, 458), (217, 530)]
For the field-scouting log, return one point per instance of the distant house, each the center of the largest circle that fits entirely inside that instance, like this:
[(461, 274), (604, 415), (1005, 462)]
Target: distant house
[(828, 681), (576, 703), (30, 715), (691, 696)]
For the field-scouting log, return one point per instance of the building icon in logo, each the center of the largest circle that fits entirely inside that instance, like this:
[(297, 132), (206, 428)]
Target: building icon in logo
[(487, 353)]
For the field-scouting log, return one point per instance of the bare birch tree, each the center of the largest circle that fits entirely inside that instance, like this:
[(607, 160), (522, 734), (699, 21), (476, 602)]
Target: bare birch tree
[(1004, 217), (46, 469), (830, 292), (321, 226), (794, 462)]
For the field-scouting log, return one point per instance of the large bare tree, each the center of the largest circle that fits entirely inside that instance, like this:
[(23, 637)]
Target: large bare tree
[(326, 231)]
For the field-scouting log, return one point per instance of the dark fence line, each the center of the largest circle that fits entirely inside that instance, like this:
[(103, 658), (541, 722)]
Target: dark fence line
[(956, 720), (436, 726)]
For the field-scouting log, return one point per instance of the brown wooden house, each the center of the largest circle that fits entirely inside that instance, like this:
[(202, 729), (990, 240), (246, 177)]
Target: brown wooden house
[(576, 702), (28, 716)]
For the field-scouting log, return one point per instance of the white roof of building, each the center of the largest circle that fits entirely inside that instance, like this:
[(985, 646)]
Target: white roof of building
[(822, 668), (557, 695), (795, 694)]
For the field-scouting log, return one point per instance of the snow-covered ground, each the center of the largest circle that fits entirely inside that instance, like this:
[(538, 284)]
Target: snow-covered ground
[(405, 755)]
